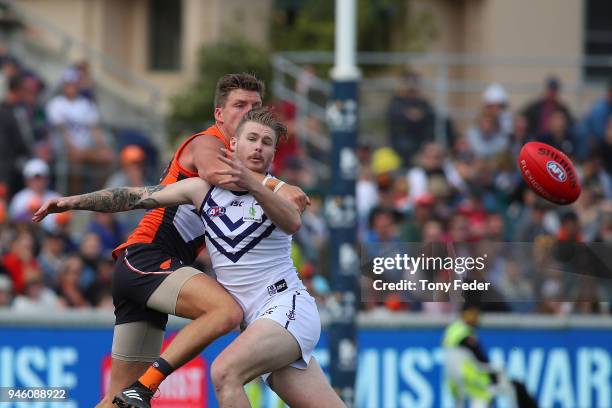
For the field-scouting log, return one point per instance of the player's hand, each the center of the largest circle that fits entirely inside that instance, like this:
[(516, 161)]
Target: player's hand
[(239, 174), (53, 206), (295, 195)]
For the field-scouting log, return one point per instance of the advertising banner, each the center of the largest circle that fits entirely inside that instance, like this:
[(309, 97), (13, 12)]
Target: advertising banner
[(568, 368)]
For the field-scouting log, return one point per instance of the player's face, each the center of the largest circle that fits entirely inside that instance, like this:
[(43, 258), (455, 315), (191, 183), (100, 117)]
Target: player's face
[(255, 146), (239, 102)]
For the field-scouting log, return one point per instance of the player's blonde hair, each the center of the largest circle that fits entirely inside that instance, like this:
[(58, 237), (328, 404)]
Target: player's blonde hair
[(266, 117)]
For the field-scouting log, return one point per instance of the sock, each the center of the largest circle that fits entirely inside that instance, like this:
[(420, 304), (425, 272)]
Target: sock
[(155, 374)]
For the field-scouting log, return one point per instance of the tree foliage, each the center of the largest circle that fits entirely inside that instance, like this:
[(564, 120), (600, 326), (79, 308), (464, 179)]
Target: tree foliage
[(193, 108), (383, 25)]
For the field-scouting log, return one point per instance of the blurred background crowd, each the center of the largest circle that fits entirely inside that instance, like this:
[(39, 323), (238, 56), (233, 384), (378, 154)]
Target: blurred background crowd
[(411, 187)]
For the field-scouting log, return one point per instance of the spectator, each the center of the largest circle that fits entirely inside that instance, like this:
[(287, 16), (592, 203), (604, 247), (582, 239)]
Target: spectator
[(289, 147), (297, 173), (605, 224), (313, 234), (10, 69), (27, 201), (99, 293), (32, 89), (433, 231), (496, 227), (68, 283), (51, 257), (593, 174), (593, 128), (588, 209), (366, 194), (37, 298), (75, 122), (495, 100), (20, 262), (384, 225), (487, 139), (85, 81), (430, 171), (520, 134), (570, 228), (539, 112), (108, 229), (531, 224), (559, 134), (15, 136), (131, 174), (413, 228), (605, 147), (91, 255), (516, 289), (411, 119)]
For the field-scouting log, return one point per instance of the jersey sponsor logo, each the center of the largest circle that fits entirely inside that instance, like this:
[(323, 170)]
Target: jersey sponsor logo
[(278, 287), (215, 211), (253, 213), (236, 203)]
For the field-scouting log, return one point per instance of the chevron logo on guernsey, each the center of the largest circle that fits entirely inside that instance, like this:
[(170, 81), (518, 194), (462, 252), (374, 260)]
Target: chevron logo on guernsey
[(215, 211)]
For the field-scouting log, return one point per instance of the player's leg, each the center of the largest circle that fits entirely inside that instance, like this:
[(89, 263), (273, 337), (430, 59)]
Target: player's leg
[(138, 332), (214, 313), (123, 373), (263, 347), (189, 293), (135, 346), (304, 388)]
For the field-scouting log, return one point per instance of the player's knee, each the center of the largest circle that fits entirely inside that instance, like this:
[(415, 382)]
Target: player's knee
[(230, 317), (223, 374), (235, 316)]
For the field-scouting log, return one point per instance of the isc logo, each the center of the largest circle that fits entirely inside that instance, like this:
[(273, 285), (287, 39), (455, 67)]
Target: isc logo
[(556, 171)]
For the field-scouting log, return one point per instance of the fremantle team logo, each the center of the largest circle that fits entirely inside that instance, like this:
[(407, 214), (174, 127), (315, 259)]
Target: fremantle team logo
[(215, 211), (556, 171)]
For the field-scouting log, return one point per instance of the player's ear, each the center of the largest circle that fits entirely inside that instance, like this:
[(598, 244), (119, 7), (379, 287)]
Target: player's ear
[(218, 114), (233, 143)]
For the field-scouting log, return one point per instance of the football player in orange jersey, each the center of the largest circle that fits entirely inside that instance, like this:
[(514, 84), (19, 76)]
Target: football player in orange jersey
[(153, 278)]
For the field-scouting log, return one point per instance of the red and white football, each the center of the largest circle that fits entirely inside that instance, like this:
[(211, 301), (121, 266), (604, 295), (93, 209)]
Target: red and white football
[(549, 172)]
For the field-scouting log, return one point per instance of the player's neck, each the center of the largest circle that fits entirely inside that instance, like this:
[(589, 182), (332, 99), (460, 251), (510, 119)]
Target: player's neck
[(225, 132)]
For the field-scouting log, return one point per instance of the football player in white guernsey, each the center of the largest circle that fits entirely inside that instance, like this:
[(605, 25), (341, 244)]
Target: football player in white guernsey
[(248, 235)]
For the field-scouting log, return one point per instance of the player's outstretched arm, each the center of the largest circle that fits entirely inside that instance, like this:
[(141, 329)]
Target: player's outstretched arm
[(127, 198), (205, 152), (284, 214)]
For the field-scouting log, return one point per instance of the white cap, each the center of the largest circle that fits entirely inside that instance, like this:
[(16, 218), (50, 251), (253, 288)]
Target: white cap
[(70, 75), (35, 167), (495, 93)]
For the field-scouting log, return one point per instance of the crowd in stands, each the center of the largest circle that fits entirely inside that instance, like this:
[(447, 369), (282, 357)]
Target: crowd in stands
[(410, 188), (53, 140), (468, 190)]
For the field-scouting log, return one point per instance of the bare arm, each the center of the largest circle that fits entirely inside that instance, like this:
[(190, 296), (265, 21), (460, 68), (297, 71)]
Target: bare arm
[(283, 213), (205, 153), (129, 198)]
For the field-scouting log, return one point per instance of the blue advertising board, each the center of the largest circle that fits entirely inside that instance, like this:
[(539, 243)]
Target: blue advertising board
[(569, 368)]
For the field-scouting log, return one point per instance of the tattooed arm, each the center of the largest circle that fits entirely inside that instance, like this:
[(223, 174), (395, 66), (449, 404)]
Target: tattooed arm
[(120, 199)]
